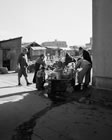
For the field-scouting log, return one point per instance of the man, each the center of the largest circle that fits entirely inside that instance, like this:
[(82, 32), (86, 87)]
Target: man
[(86, 56), (85, 67), (22, 66)]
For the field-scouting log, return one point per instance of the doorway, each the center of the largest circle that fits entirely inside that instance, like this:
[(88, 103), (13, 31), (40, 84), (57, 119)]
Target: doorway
[(6, 59)]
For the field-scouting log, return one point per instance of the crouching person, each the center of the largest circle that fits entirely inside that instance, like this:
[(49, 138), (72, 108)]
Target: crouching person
[(84, 72), (40, 79)]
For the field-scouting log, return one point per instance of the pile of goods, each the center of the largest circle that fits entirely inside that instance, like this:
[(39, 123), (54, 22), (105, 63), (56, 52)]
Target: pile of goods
[(61, 80)]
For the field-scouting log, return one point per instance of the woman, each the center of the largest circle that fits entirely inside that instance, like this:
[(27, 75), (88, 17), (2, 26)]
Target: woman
[(39, 62)]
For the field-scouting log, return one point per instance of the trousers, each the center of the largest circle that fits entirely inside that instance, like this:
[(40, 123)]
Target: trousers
[(85, 73)]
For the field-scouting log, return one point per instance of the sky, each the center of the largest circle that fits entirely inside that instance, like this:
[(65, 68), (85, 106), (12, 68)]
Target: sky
[(46, 20)]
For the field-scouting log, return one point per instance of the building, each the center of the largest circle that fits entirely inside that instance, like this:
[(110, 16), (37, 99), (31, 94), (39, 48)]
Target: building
[(89, 45), (9, 51), (34, 50), (55, 43), (102, 44), (53, 48)]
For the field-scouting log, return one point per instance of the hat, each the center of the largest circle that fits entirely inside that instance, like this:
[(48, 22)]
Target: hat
[(80, 48)]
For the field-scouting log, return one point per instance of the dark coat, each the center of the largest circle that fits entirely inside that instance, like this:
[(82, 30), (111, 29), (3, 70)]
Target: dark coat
[(87, 56), (69, 59), (37, 67)]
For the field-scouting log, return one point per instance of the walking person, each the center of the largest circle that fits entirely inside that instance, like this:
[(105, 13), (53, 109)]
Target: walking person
[(22, 67), (38, 63)]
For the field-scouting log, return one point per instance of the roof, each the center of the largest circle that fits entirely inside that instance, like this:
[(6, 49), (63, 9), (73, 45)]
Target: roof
[(66, 49), (10, 39), (28, 44), (56, 47), (38, 48), (52, 47)]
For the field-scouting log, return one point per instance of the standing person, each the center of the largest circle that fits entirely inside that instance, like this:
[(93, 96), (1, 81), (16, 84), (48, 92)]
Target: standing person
[(84, 72), (38, 63), (40, 78), (86, 56), (22, 65)]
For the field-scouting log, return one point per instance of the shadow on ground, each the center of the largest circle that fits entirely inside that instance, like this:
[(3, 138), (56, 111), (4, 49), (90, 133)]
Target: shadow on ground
[(15, 96), (25, 130)]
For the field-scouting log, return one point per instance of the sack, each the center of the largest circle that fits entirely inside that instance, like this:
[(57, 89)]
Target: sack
[(3, 70)]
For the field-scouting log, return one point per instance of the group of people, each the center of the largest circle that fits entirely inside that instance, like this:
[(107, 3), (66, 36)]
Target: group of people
[(39, 70), (84, 62)]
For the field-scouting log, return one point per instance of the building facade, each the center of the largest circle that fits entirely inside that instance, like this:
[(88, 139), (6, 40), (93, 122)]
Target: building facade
[(55, 43), (102, 44), (53, 49), (9, 52), (34, 50), (89, 45)]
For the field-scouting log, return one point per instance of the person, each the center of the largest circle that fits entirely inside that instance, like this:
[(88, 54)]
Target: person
[(68, 59), (86, 56), (40, 78), (39, 62), (22, 67), (85, 67)]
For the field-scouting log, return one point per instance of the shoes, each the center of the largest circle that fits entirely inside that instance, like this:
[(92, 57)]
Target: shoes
[(19, 84), (28, 84)]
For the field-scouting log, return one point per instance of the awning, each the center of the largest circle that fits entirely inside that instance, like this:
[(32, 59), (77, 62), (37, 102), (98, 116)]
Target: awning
[(67, 49), (53, 47), (38, 48)]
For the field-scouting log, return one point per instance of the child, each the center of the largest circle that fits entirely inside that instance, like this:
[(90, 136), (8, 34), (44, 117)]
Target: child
[(40, 78)]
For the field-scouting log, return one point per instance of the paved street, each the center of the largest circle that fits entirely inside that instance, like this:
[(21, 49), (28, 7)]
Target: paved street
[(17, 104), (24, 115)]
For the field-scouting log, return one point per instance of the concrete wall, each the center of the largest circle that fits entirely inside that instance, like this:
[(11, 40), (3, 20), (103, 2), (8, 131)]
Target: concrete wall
[(0, 58), (15, 48), (102, 44)]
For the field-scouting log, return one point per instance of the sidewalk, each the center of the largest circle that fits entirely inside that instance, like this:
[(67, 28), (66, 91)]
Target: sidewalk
[(17, 104)]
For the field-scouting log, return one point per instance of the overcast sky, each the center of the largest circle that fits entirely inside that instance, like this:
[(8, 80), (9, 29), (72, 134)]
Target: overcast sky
[(46, 20)]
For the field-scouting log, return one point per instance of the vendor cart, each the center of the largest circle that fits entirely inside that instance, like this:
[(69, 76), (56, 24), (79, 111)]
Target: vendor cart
[(58, 88), (61, 82)]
